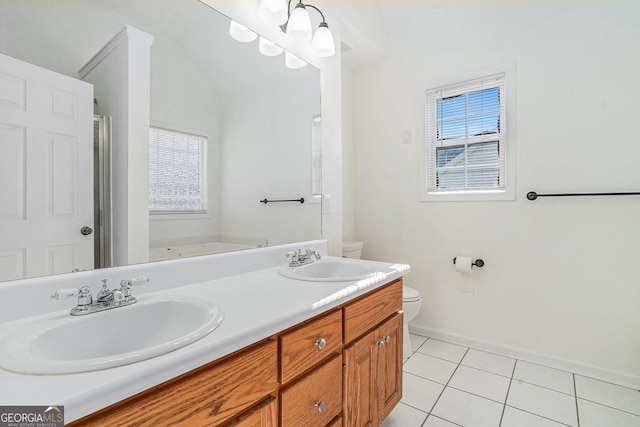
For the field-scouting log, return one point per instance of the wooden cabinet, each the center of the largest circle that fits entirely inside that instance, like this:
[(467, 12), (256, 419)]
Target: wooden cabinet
[(303, 376), (314, 400), (311, 354), (389, 373), (264, 414), (305, 346), (208, 396), (373, 362), (373, 375), (368, 311), (359, 394)]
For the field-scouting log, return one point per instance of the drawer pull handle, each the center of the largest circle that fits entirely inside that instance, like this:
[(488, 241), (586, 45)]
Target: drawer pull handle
[(320, 405), (321, 344)]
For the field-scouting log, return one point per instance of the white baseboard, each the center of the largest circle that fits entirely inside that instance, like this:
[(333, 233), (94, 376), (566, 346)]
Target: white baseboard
[(615, 377)]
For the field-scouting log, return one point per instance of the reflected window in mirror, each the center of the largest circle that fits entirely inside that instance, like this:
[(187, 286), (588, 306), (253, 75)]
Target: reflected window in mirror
[(316, 156), (177, 172)]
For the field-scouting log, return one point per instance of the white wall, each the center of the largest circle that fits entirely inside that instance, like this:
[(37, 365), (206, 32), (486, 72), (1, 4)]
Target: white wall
[(189, 104), (120, 73), (260, 161), (348, 158), (562, 276), (245, 12)]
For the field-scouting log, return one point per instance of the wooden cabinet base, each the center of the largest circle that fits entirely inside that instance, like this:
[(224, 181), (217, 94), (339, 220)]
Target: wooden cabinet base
[(321, 383), (263, 415), (207, 396)]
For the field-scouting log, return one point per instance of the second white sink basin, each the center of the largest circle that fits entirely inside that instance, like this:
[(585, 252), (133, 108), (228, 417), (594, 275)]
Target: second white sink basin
[(63, 344), (330, 270)]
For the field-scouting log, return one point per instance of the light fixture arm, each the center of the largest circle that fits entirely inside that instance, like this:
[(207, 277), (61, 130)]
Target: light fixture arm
[(283, 27), (321, 14)]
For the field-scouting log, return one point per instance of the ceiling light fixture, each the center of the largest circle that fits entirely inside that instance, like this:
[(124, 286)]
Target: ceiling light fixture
[(297, 27), (269, 48), (299, 30), (273, 11), (293, 62), (241, 33)]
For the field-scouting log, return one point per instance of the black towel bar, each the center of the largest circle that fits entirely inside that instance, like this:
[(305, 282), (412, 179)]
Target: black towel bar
[(532, 195), (265, 201)]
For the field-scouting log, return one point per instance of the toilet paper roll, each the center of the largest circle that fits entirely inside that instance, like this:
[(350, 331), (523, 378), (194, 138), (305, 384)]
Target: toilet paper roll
[(463, 265)]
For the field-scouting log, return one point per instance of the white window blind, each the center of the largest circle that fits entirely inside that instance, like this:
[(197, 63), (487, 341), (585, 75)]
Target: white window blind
[(176, 172), (316, 156), (466, 136)]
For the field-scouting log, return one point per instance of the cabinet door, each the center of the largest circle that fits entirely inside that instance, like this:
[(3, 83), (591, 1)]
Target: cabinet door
[(360, 403), (389, 371), (207, 396), (263, 415)]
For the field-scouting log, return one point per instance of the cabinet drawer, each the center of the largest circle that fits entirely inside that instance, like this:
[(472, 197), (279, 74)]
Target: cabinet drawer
[(206, 396), (307, 345), (314, 400), (367, 312), (263, 415)]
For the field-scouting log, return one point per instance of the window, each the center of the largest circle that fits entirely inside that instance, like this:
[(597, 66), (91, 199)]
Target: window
[(316, 156), (466, 140), (176, 172)]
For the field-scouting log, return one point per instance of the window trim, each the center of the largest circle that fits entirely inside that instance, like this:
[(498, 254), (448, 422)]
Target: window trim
[(316, 157), (194, 214), (509, 192)]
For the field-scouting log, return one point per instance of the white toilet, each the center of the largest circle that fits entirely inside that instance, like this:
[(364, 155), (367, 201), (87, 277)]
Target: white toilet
[(411, 302), (351, 249)]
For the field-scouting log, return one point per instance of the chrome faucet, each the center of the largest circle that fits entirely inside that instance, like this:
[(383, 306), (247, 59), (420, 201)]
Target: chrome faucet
[(300, 258), (106, 298)]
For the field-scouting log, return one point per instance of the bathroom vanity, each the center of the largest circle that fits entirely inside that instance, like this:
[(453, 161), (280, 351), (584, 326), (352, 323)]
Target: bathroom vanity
[(288, 353), (340, 366)]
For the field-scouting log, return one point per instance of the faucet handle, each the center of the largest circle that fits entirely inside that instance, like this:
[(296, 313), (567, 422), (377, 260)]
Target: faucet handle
[(136, 281), (66, 293), (83, 294)]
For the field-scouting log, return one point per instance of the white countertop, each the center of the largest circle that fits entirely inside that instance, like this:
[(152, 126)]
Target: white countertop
[(256, 305)]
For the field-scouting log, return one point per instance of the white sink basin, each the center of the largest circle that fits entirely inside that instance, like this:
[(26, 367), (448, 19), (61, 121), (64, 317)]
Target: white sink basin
[(330, 270), (153, 326)]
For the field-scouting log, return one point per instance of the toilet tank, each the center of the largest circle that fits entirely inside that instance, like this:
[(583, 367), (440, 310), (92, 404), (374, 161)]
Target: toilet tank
[(351, 249)]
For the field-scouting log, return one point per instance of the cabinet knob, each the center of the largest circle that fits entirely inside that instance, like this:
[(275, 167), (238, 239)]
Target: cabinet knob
[(380, 343), (320, 405), (387, 339), (321, 344)]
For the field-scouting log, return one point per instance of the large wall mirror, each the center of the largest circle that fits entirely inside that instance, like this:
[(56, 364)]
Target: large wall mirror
[(257, 117)]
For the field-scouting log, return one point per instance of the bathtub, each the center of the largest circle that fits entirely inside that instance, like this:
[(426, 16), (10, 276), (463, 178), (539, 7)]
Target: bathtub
[(189, 250)]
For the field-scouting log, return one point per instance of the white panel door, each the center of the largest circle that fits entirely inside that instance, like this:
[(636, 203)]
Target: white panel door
[(46, 171)]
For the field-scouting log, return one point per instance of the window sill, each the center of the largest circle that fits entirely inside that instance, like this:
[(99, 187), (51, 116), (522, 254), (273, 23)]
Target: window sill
[(468, 196), (178, 216)]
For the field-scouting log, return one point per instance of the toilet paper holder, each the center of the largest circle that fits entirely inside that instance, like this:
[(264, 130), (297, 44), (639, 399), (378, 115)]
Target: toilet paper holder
[(477, 263)]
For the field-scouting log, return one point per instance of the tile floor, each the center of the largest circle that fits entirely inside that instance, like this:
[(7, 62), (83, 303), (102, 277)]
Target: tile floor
[(450, 385)]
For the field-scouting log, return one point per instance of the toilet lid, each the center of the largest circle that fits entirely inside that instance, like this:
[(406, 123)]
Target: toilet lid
[(351, 245), (410, 294)]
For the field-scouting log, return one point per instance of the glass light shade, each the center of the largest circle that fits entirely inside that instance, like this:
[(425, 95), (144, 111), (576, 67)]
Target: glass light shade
[(292, 61), (273, 11), (299, 26), (268, 48), (322, 44), (241, 33)]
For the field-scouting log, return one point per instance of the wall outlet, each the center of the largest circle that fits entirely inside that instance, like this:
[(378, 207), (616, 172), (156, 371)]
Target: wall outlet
[(406, 136), (326, 204)]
